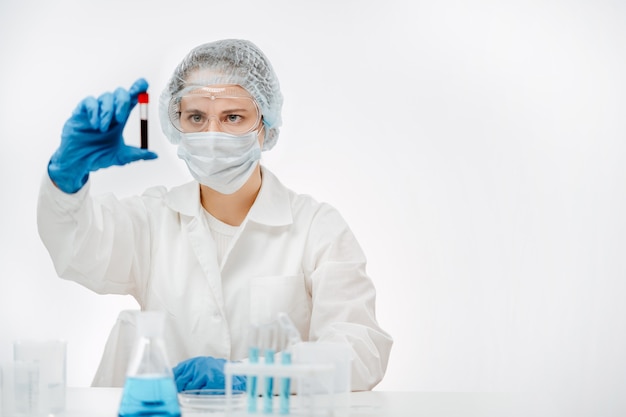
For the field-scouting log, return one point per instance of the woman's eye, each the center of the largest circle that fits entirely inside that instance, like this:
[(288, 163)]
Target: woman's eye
[(195, 118), (233, 118)]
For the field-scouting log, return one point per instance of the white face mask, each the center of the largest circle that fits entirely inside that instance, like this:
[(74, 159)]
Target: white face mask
[(219, 160)]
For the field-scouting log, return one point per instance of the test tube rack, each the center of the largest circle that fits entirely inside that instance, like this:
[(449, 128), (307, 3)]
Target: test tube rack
[(312, 389)]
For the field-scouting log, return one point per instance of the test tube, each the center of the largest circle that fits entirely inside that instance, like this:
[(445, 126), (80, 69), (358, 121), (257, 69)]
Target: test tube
[(143, 116), (268, 337), (253, 353), (285, 385), (289, 337)]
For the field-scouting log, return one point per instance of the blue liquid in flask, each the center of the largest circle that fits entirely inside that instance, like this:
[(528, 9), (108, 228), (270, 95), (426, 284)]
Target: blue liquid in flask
[(146, 396)]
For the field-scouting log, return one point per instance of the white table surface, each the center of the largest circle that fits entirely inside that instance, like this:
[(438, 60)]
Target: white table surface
[(104, 402)]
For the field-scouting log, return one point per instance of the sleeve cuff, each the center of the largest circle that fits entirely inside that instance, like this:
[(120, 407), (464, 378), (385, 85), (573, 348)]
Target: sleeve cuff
[(64, 200)]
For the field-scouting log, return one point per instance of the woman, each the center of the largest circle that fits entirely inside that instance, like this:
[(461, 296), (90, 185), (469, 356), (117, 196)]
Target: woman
[(228, 250)]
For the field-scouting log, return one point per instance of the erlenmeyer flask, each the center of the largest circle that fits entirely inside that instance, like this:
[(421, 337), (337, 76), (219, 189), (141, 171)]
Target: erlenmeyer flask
[(149, 389)]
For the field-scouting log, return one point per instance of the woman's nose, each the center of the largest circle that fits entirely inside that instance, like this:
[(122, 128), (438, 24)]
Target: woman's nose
[(213, 125)]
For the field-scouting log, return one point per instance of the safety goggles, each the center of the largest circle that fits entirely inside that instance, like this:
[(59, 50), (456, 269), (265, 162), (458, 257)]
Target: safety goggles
[(224, 108)]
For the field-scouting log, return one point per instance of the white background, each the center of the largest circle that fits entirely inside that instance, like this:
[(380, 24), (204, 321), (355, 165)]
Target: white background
[(475, 148)]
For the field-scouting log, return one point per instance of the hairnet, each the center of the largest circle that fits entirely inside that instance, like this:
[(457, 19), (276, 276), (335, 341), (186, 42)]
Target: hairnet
[(228, 61)]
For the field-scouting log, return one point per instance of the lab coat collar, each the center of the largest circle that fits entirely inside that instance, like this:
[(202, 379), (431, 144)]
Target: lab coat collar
[(272, 206), (185, 199)]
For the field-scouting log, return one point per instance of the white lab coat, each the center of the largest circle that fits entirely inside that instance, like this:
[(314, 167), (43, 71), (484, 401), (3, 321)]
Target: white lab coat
[(291, 254)]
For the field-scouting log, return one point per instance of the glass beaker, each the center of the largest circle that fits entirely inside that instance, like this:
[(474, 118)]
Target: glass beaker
[(149, 389), (39, 376)]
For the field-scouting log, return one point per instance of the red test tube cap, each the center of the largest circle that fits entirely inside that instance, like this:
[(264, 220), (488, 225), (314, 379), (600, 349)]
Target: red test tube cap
[(143, 97)]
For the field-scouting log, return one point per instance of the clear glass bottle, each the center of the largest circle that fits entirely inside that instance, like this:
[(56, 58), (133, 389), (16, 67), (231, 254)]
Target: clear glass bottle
[(150, 389)]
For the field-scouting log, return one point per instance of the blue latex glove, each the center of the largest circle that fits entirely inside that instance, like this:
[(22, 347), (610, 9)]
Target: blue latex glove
[(92, 138), (204, 372)]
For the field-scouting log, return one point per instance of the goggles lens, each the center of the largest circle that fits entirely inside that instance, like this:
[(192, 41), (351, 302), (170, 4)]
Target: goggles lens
[(228, 109)]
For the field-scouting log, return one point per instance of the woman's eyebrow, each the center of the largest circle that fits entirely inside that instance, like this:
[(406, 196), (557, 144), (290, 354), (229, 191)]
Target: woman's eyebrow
[(235, 110), (193, 110)]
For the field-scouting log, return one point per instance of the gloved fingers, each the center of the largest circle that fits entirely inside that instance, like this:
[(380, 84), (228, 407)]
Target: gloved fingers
[(182, 375), (201, 381), (184, 369), (179, 369), (181, 384), (122, 105), (193, 380), (139, 86), (239, 383), (199, 372), (88, 108), (106, 111), (131, 154)]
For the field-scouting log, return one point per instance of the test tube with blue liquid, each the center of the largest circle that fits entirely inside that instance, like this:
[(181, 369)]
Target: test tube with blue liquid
[(268, 337), (253, 357), (290, 336), (285, 385)]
